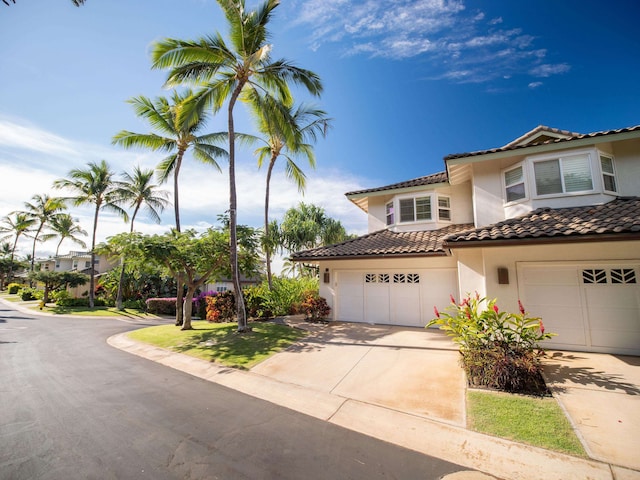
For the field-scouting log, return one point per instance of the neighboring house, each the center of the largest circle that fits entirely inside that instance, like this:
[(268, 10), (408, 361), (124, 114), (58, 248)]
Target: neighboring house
[(78, 262), (552, 218)]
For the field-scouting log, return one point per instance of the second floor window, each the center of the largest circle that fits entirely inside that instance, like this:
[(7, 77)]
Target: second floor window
[(444, 208), (415, 209), (608, 174), (389, 213), (514, 184), (563, 175)]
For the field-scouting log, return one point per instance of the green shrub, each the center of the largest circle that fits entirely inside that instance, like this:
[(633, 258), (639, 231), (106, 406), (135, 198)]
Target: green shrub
[(59, 295), (499, 349), (28, 293), (161, 306), (284, 298), (135, 304), (79, 302), (13, 288)]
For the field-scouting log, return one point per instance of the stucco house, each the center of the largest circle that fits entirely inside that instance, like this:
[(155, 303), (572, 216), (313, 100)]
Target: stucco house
[(76, 261), (552, 218)]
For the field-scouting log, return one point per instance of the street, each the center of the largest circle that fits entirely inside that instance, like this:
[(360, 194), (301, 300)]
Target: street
[(73, 407)]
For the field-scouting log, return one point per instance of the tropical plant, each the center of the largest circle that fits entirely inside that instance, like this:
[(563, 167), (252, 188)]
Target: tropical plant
[(499, 349), (285, 132), (176, 135), (65, 226), (21, 224), (224, 71), (43, 211), (93, 185), (138, 190)]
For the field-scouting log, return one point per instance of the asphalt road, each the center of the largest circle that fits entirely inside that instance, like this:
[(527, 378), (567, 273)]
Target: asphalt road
[(72, 407)]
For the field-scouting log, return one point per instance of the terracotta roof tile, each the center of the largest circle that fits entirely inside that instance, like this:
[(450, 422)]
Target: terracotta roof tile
[(440, 177), (620, 216), (385, 243), (570, 136)]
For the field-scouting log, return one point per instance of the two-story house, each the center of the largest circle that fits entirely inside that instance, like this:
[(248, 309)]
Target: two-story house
[(551, 219)]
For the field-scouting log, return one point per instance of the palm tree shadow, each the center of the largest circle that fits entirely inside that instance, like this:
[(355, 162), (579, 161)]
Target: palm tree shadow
[(559, 374)]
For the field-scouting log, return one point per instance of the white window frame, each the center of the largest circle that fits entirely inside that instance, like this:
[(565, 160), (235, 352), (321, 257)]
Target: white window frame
[(608, 174), (583, 153), (414, 198), (389, 212), (447, 208), (503, 174)]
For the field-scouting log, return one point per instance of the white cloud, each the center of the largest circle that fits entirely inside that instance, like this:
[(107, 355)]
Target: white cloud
[(546, 70), (535, 85), (204, 192), (451, 37)]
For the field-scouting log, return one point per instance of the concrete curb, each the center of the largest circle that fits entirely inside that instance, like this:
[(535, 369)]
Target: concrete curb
[(495, 456)]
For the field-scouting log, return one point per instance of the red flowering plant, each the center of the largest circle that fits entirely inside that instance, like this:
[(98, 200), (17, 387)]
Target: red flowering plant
[(499, 349)]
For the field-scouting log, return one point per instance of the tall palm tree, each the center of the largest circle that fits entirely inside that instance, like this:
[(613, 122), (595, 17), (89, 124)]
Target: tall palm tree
[(65, 226), (138, 190), (18, 225), (174, 134), (225, 71), (285, 132), (93, 185), (43, 210)]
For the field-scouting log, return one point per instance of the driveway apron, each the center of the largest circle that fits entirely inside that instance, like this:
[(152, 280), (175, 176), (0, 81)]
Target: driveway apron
[(406, 369), (601, 394)]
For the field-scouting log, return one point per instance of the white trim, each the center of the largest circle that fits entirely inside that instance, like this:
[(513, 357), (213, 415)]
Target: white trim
[(531, 161)]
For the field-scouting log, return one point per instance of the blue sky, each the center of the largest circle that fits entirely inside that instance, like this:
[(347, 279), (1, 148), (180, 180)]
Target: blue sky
[(406, 83)]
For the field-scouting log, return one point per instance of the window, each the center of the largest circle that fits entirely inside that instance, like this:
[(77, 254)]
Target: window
[(563, 175), (612, 276), (414, 209), (608, 174), (514, 184), (389, 213), (444, 208), (87, 264)]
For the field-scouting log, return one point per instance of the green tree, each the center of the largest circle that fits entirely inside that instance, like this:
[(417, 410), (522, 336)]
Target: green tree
[(285, 132), (65, 226), (224, 71), (92, 185), (139, 191), (21, 224), (175, 134), (43, 209), (308, 226), (57, 280)]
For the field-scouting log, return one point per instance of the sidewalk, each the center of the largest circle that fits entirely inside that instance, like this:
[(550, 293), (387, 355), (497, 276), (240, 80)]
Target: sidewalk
[(316, 377)]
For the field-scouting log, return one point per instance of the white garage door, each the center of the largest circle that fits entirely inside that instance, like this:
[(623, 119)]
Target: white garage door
[(592, 307), (393, 297)]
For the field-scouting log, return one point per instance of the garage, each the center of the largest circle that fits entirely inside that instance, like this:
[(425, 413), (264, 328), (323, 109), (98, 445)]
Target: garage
[(592, 307), (395, 297)]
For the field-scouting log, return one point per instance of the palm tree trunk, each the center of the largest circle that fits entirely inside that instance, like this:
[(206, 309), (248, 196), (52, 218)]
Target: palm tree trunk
[(92, 280), (179, 305), (233, 221), (266, 223), (176, 172), (119, 302)]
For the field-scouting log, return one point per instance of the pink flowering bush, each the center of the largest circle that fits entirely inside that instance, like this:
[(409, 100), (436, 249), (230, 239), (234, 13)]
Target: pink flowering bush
[(499, 349)]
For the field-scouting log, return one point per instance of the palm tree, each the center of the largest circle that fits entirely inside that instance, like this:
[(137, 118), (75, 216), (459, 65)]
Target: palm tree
[(138, 190), (21, 224), (175, 135), (65, 226), (93, 185), (285, 132), (225, 71), (43, 210)]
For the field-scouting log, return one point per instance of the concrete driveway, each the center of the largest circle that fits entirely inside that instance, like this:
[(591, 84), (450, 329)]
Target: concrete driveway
[(405, 369), (601, 395)]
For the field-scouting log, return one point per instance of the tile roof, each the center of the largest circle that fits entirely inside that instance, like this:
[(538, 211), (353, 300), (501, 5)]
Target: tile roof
[(567, 137), (620, 217), (440, 177), (384, 243)]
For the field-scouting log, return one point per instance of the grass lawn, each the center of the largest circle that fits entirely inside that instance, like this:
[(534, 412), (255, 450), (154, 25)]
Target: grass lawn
[(94, 312), (219, 342), (537, 421)]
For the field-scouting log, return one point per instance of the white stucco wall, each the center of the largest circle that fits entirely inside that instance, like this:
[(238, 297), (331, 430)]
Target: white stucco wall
[(627, 162), (471, 263)]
